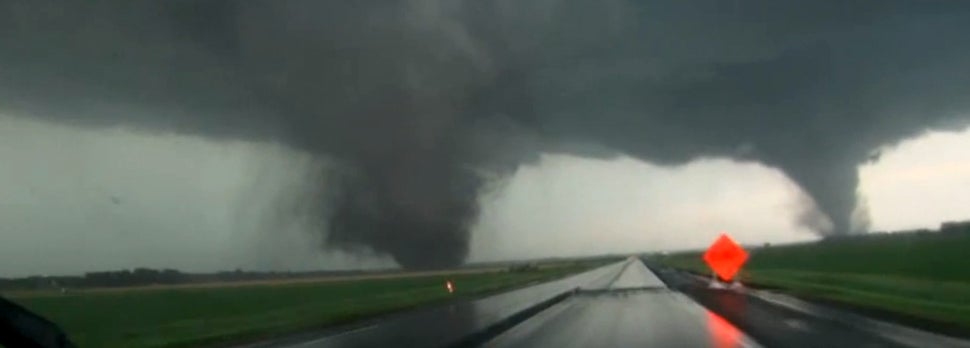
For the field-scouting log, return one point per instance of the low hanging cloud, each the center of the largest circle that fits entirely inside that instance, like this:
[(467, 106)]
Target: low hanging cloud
[(421, 103)]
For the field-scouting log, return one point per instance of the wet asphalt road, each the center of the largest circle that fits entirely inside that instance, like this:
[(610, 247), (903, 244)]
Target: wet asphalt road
[(647, 318), (776, 320), (619, 305), (627, 304), (452, 324), (636, 309)]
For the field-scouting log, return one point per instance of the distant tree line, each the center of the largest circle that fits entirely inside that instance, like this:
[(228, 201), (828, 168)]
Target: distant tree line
[(955, 227), (148, 276), (138, 276), (947, 229)]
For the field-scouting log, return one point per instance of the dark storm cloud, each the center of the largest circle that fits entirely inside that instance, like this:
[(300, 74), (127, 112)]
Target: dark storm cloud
[(420, 99)]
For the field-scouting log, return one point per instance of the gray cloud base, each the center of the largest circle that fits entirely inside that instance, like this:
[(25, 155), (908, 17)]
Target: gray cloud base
[(417, 99)]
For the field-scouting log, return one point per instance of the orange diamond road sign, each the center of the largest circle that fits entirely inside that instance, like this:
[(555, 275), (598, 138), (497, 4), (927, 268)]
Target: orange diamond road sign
[(725, 257)]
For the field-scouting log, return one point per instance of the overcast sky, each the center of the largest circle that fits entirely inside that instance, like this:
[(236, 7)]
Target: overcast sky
[(83, 199), (224, 134)]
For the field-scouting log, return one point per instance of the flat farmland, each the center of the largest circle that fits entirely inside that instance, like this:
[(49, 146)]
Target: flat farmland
[(220, 313), (918, 279)]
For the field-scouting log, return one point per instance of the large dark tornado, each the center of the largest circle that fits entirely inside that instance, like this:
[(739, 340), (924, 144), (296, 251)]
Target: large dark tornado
[(416, 101)]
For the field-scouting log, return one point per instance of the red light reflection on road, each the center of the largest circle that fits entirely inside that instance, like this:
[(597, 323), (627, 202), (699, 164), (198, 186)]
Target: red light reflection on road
[(723, 334)]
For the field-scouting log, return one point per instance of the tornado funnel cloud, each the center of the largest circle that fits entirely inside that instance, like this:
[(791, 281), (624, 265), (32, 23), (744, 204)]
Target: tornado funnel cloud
[(416, 100), (426, 229)]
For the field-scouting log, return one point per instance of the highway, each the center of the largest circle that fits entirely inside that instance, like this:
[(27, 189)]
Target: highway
[(636, 309), (625, 304), (778, 320), (455, 324)]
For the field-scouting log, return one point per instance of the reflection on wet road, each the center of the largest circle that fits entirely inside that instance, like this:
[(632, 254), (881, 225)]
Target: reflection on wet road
[(722, 333), (626, 304), (636, 310), (450, 324), (642, 319), (781, 321)]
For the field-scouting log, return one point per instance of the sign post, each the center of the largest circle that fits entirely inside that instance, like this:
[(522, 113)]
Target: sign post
[(725, 258)]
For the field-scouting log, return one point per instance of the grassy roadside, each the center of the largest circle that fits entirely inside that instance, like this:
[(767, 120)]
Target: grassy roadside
[(919, 277), (182, 317)]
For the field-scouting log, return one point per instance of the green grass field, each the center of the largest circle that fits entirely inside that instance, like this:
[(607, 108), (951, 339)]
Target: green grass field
[(922, 276), (178, 317)]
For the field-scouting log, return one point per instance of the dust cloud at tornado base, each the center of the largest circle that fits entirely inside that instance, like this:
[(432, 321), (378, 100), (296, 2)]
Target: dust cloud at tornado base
[(417, 106)]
